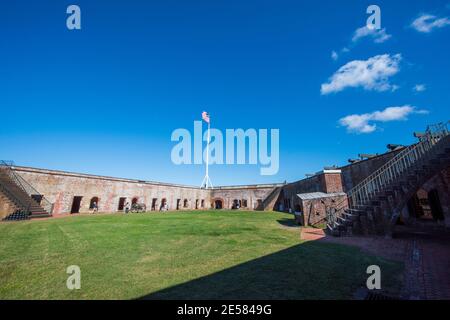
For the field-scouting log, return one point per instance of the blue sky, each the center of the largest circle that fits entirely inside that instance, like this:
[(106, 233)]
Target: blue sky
[(105, 99)]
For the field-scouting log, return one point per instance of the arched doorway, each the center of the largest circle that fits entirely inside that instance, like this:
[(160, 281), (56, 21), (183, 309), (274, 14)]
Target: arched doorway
[(93, 204), (154, 201), (134, 200), (425, 205), (218, 204), (121, 205), (163, 206)]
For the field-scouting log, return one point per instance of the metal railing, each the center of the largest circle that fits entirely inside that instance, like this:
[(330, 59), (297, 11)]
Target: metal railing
[(8, 169), (364, 191)]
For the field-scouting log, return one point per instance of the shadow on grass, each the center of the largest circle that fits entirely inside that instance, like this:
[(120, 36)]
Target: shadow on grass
[(286, 222), (311, 270)]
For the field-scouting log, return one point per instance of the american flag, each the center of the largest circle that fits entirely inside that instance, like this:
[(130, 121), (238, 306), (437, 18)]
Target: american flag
[(205, 116)]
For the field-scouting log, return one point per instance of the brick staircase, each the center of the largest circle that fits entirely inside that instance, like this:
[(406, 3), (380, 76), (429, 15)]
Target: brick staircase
[(17, 193), (373, 206)]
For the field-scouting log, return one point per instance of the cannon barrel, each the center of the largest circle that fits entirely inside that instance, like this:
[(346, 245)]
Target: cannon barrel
[(367, 155), (392, 146)]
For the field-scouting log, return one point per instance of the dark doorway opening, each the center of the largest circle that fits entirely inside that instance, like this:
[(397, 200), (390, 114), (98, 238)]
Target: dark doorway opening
[(121, 204), (154, 204), (435, 205), (218, 204), (163, 205), (37, 198), (178, 204), (94, 203), (76, 204), (135, 200), (196, 204), (424, 207)]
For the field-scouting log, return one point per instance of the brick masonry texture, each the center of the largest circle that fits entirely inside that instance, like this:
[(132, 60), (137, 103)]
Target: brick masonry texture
[(60, 188)]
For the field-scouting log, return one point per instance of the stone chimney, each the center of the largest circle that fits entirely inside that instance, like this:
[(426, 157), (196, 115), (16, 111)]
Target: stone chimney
[(331, 181)]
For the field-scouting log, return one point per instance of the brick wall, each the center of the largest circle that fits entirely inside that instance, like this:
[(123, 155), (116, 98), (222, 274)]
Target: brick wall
[(252, 194), (6, 206), (354, 173), (331, 182), (314, 210), (60, 188)]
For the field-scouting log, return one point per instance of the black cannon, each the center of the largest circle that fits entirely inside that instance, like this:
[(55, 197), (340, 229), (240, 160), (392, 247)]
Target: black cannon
[(138, 207)]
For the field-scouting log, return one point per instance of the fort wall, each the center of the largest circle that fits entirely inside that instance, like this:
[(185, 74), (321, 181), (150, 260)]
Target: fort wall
[(61, 187), (354, 173)]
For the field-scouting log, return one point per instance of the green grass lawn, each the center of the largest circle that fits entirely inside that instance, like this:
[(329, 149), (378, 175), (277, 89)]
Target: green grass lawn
[(185, 255)]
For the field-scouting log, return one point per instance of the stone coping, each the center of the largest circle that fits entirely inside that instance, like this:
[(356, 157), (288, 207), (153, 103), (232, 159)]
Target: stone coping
[(92, 176)]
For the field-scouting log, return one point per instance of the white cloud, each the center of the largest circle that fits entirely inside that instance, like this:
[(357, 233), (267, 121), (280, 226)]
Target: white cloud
[(364, 123), (419, 88), (334, 55), (378, 36), (427, 22), (357, 123), (371, 74), (394, 87)]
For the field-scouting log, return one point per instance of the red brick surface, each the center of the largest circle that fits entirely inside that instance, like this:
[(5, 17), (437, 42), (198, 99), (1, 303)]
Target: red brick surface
[(425, 253)]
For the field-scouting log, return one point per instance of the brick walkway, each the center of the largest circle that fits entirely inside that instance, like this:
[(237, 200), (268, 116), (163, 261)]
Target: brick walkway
[(428, 264), (425, 252)]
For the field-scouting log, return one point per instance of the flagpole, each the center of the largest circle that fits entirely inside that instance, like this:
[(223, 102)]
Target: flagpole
[(207, 180), (207, 155)]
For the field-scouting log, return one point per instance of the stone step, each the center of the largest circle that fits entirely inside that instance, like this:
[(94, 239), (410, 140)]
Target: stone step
[(350, 216), (381, 198), (344, 220), (352, 210), (40, 215)]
